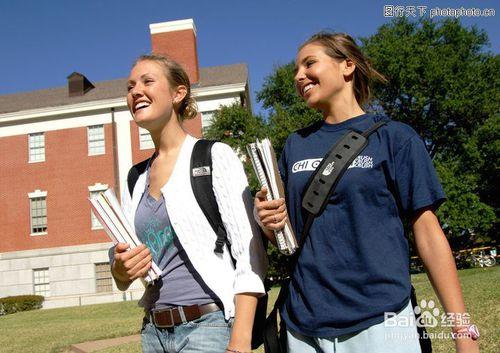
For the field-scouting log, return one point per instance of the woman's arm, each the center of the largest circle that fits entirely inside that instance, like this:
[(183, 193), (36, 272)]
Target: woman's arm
[(235, 205), (241, 334), (437, 257)]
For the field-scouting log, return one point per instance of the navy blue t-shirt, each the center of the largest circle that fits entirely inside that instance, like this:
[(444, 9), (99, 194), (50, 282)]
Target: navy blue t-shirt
[(354, 264)]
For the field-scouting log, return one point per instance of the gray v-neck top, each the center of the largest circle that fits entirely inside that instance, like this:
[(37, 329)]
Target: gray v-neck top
[(179, 283)]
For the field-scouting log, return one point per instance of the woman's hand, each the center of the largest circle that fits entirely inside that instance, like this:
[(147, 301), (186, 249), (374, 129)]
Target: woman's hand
[(272, 215), (132, 264)]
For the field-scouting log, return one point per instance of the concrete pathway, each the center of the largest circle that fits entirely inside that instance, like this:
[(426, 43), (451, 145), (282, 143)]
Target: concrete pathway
[(92, 346)]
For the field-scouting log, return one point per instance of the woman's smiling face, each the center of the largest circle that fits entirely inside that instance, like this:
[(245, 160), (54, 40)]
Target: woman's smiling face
[(318, 77), (149, 97)]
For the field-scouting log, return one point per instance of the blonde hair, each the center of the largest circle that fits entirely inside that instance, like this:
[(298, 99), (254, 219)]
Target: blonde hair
[(176, 76), (342, 46)]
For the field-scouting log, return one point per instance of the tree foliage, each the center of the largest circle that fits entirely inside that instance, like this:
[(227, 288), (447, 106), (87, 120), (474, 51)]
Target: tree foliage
[(442, 82), (237, 126), (287, 111)]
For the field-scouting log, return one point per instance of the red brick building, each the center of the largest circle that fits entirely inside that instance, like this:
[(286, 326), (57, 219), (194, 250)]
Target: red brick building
[(58, 146)]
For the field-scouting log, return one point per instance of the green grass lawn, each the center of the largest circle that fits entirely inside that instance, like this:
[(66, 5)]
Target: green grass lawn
[(53, 330)]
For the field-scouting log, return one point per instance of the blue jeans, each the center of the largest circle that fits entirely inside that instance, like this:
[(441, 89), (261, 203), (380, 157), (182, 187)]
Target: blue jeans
[(379, 338), (208, 334)]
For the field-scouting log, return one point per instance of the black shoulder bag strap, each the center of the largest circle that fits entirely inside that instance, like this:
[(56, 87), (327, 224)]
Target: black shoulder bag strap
[(320, 187), (201, 182), (133, 174)]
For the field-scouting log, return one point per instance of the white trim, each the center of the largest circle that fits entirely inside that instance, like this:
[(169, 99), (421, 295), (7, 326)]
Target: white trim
[(172, 26), (37, 193), (32, 195), (98, 187), (142, 147), (124, 142), (39, 161), (64, 109), (221, 89), (121, 102), (61, 250), (90, 153), (42, 133), (56, 123)]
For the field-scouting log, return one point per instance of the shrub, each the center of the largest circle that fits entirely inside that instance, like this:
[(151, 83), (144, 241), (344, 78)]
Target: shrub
[(10, 305)]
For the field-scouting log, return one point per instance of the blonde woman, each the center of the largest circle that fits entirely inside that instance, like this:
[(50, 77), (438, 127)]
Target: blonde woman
[(201, 303)]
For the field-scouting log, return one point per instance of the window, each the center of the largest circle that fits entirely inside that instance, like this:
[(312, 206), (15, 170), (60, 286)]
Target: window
[(103, 278), (94, 190), (145, 140), (95, 135), (38, 212), (207, 118), (36, 144), (41, 281)]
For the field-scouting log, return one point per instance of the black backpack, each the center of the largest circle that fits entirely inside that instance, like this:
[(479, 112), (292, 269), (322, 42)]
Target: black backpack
[(201, 183)]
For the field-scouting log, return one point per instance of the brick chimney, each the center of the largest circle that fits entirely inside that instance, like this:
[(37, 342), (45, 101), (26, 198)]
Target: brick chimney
[(177, 40)]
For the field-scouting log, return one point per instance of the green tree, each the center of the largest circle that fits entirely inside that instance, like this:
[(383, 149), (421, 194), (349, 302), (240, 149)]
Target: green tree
[(442, 81), (469, 180), (486, 146), (464, 215), (237, 126), (287, 111)]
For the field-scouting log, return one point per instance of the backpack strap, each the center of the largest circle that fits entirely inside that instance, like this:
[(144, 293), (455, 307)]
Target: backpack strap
[(201, 182), (133, 174)]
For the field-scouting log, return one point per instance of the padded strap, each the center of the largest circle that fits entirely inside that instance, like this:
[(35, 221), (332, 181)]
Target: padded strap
[(201, 182), (133, 174)]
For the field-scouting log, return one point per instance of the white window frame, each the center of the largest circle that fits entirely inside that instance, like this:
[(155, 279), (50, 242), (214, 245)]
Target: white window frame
[(99, 269), (37, 194), (36, 157), (207, 118), (94, 139), (94, 189), (41, 281), (145, 140)]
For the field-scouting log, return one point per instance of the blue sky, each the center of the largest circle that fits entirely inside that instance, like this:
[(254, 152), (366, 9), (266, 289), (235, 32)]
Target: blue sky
[(44, 41)]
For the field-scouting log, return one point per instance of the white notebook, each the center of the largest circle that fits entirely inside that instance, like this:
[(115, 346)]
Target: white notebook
[(266, 167), (108, 211)]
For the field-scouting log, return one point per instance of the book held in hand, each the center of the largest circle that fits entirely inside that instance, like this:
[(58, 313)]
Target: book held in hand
[(266, 167), (108, 211)]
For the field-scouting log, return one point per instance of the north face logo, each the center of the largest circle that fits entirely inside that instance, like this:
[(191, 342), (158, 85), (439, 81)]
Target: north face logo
[(329, 169)]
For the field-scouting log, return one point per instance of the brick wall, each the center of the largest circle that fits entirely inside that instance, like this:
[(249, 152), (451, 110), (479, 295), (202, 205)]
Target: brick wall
[(66, 174)]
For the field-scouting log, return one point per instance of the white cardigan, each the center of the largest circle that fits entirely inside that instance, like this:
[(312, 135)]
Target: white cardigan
[(195, 233)]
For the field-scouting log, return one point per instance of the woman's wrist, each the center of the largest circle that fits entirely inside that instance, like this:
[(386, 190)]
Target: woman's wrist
[(238, 343)]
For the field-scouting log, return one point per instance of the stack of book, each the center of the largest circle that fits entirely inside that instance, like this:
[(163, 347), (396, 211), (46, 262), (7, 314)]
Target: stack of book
[(266, 167), (108, 211)]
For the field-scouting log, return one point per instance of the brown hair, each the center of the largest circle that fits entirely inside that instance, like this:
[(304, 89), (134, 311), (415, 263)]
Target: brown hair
[(342, 46), (176, 76)]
